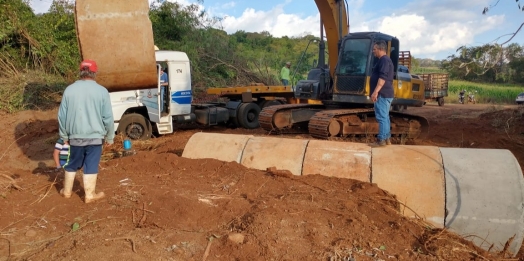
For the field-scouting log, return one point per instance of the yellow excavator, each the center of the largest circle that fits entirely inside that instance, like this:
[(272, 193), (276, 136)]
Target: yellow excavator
[(343, 88)]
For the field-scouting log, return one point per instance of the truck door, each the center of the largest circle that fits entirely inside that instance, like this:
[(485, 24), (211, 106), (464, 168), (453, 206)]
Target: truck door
[(180, 87), (155, 110)]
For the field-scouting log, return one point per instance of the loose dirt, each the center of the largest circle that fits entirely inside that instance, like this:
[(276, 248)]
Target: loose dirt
[(160, 206)]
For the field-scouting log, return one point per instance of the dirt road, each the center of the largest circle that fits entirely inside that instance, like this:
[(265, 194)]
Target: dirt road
[(161, 206)]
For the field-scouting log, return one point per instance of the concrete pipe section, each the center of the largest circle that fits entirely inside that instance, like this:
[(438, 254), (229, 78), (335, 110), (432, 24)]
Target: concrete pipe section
[(469, 191)]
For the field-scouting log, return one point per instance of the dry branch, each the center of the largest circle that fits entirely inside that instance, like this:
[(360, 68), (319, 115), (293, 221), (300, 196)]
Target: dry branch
[(251, 77), (124, 238), (49, 187), (11, 183)]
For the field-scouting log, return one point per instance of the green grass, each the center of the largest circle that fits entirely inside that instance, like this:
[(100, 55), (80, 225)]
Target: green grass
[(486, 93), (33, 90), (422, 70)]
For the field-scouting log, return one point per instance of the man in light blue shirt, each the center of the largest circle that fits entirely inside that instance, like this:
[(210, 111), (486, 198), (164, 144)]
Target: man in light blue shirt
[(85, 119)]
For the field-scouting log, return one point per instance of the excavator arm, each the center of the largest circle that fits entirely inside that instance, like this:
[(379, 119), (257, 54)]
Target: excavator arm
[(333, 15)]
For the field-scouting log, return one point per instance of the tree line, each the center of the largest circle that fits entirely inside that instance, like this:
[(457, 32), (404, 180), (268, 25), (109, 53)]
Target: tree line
[(489, 63), (47, 42)]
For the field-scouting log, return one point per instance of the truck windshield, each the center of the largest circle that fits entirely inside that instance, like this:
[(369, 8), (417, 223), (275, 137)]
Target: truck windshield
[(353, 59)]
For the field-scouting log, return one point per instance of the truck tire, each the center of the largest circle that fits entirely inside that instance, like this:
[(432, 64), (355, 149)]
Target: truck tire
[(135, 126), (440, 101), (247, 115)]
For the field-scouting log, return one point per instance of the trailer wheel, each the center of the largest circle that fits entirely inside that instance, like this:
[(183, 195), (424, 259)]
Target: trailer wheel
[(440, 101), (247, 115), (135, 126)]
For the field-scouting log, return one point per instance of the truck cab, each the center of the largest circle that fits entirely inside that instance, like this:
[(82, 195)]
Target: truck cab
[(139, 113)]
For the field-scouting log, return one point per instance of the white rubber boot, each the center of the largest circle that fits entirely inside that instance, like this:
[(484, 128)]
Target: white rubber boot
[(89, 188), (69, 179)]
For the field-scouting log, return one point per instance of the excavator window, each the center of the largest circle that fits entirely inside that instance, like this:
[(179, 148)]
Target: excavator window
[(354, 57)]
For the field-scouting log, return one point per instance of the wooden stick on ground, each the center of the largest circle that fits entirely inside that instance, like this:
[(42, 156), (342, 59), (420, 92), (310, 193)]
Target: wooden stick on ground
[(124, 238), (47, 192), (208, 248), (12, 182)]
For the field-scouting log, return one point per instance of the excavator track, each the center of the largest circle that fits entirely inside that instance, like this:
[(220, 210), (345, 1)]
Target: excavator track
[(319, 124), (322, 123), (267, 118), (344, 122)]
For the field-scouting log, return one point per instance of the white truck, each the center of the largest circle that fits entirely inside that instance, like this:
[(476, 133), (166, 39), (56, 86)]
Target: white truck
[(138, 114), (126, 58)]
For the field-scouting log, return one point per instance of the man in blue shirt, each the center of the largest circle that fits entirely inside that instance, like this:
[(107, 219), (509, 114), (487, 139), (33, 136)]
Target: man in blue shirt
[(164, 82), (381, 84)]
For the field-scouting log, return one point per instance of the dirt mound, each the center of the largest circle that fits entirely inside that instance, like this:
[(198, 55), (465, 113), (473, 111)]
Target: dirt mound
[(164, 207)]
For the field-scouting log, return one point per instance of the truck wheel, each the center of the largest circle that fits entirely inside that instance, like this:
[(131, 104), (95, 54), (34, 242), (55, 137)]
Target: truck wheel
[(135, 126), (440, 101), (247, 115)]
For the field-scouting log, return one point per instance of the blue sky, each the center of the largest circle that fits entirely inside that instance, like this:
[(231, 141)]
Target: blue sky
[(429, 29)]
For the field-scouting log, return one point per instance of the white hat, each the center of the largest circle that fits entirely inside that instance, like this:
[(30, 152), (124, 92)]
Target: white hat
[(288, 63)]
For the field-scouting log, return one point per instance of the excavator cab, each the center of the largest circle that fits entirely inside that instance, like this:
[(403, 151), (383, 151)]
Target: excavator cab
[(351, 78), (349, 84), (356, 63)]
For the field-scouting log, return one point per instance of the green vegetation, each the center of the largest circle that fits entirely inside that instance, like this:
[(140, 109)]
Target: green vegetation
[(485, 93), (422, 70), (39, 55), (490, 63), (39, 52)]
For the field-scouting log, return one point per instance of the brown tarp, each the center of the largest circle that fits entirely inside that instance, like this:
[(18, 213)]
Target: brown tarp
[(118, 35)]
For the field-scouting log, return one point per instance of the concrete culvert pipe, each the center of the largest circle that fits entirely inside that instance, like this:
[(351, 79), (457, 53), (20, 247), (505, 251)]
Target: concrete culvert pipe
[(476, 192)]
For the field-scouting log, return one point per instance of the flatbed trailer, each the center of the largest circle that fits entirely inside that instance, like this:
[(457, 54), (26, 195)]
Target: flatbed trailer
[(254, 98), (435, 86)]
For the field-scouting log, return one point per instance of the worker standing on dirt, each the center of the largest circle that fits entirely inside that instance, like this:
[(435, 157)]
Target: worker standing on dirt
[(85, 118), (381, 84), (284, 74)]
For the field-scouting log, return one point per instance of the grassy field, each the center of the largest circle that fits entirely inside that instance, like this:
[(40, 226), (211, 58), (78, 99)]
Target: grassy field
[(422, 70), (485, 93)]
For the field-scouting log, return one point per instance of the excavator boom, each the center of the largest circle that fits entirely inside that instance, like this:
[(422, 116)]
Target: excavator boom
[(333, 15)]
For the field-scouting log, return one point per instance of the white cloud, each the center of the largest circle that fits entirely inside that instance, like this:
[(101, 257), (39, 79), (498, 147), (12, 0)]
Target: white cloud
[(433, 28), (228, 5), (426, 37), (423, 37), (426, 28), (274, 21)]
